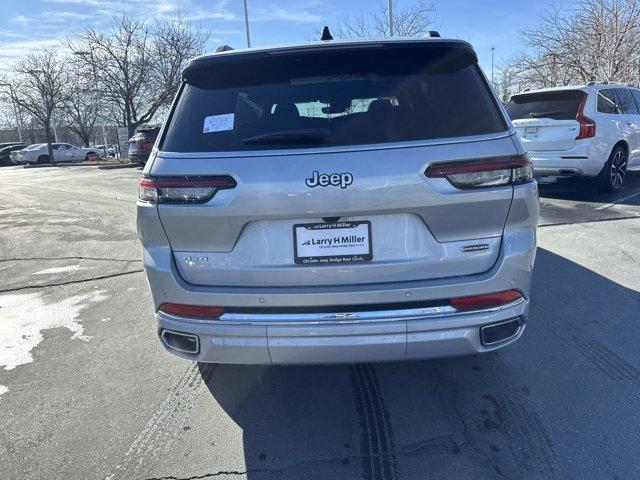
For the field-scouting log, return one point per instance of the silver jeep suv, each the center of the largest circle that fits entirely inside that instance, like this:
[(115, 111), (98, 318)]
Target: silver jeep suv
[(341, 201)]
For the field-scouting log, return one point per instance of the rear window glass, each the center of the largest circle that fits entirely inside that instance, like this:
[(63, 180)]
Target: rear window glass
[(344, 97), (559, 105)]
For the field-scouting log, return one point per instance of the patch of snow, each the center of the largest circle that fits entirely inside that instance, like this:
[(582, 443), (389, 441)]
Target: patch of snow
[(108, 319), (69, 268), (24, 316), (3, 389)]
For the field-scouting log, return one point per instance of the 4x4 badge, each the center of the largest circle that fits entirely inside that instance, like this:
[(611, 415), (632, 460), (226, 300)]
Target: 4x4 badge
[(343, 180)]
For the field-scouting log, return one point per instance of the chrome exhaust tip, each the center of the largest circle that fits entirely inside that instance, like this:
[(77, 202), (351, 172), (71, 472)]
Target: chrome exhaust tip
[(181, 342), (500, 332)]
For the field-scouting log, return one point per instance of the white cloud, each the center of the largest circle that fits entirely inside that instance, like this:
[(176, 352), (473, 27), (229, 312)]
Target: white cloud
[(278, 13), (43, 18), (16, 49)]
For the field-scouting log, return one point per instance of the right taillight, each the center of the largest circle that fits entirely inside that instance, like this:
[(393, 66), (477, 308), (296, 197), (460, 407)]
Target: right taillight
[(587, 125), (483, 173), (182, 189)]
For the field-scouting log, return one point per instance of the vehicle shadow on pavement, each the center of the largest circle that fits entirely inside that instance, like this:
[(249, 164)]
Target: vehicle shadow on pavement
[(585, 190), (560, 403)]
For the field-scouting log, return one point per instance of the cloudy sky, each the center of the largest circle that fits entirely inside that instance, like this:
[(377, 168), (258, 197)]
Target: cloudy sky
[(30, 24)]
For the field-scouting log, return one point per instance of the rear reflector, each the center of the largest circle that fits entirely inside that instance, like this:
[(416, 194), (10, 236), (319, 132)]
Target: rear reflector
[(485, 301), (191, 311), (182, 189), (482, 173)]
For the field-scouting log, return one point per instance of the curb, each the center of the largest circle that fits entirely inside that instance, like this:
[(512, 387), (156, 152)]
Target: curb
[(77, 164), (118, 165)]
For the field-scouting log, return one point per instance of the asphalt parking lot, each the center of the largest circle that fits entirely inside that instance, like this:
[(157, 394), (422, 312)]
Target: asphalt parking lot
[(86, 390)]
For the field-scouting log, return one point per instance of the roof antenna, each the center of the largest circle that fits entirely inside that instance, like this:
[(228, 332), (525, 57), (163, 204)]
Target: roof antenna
[(326, 34), (223, 48)]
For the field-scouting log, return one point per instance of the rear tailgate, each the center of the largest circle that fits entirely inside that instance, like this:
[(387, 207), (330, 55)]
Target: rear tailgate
[(547, 121), (421, 228), (334, 138), (545, 134)]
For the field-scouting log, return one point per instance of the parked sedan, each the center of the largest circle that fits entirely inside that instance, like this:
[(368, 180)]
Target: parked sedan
[(62, 152), (5, 152), (106, 150)]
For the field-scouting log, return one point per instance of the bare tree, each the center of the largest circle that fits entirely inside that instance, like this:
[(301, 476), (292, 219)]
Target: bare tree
[(409, 20), (138, 63), (40, 87), (82, 111), (594, 40)]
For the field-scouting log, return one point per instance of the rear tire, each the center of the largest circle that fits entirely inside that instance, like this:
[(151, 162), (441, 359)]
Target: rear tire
[(43, 159), (612, 176)]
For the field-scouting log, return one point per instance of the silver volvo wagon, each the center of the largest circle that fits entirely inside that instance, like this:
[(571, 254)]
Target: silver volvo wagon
[(340, 201)]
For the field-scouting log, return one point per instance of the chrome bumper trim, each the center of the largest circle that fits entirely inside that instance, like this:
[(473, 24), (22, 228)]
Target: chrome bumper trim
[(262, 319)]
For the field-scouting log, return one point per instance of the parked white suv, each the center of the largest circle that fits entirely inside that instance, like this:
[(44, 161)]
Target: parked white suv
[(591, 130)]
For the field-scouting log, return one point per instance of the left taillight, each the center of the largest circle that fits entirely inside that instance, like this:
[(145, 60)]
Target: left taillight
[(182, 189), (483, 173)]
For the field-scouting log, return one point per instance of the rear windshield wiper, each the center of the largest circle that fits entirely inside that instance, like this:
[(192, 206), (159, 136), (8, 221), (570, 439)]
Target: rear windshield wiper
[(291, 137)]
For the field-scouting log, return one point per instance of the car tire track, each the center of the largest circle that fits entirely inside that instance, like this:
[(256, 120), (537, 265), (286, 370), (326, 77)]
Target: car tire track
[(599, 355), (377, 449), (160, 430)]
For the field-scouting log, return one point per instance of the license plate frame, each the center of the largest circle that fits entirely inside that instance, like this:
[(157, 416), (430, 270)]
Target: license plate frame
[(354, 251)]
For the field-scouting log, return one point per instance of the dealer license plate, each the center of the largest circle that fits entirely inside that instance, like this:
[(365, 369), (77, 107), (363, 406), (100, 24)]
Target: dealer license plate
[(330, 243)]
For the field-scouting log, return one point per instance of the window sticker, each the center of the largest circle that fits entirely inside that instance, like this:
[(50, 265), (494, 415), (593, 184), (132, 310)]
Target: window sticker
[(218, 123)]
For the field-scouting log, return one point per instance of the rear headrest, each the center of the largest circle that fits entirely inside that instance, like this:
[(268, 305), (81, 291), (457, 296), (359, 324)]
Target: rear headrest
[(287, 110), (380, 105)]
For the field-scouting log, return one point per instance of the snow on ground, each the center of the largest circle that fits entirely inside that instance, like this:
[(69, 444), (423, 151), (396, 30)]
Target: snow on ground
[(3, 389), (24, 316)]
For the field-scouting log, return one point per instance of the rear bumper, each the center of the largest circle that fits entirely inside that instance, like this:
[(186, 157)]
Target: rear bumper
[(392, 336), (578, 161), (139, 157)]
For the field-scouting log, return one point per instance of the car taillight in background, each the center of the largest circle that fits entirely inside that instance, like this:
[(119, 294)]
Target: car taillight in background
[(182, 189), (587, 125), (483, 173)]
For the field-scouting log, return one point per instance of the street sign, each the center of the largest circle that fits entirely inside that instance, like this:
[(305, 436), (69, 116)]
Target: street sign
[(123, 141)]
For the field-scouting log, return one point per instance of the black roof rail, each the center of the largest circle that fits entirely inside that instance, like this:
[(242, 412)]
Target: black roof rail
[(434, 34)]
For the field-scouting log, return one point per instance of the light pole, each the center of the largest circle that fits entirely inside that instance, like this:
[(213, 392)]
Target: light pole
[(391, 18), (246, 24), (492, 50), (15, 108)]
